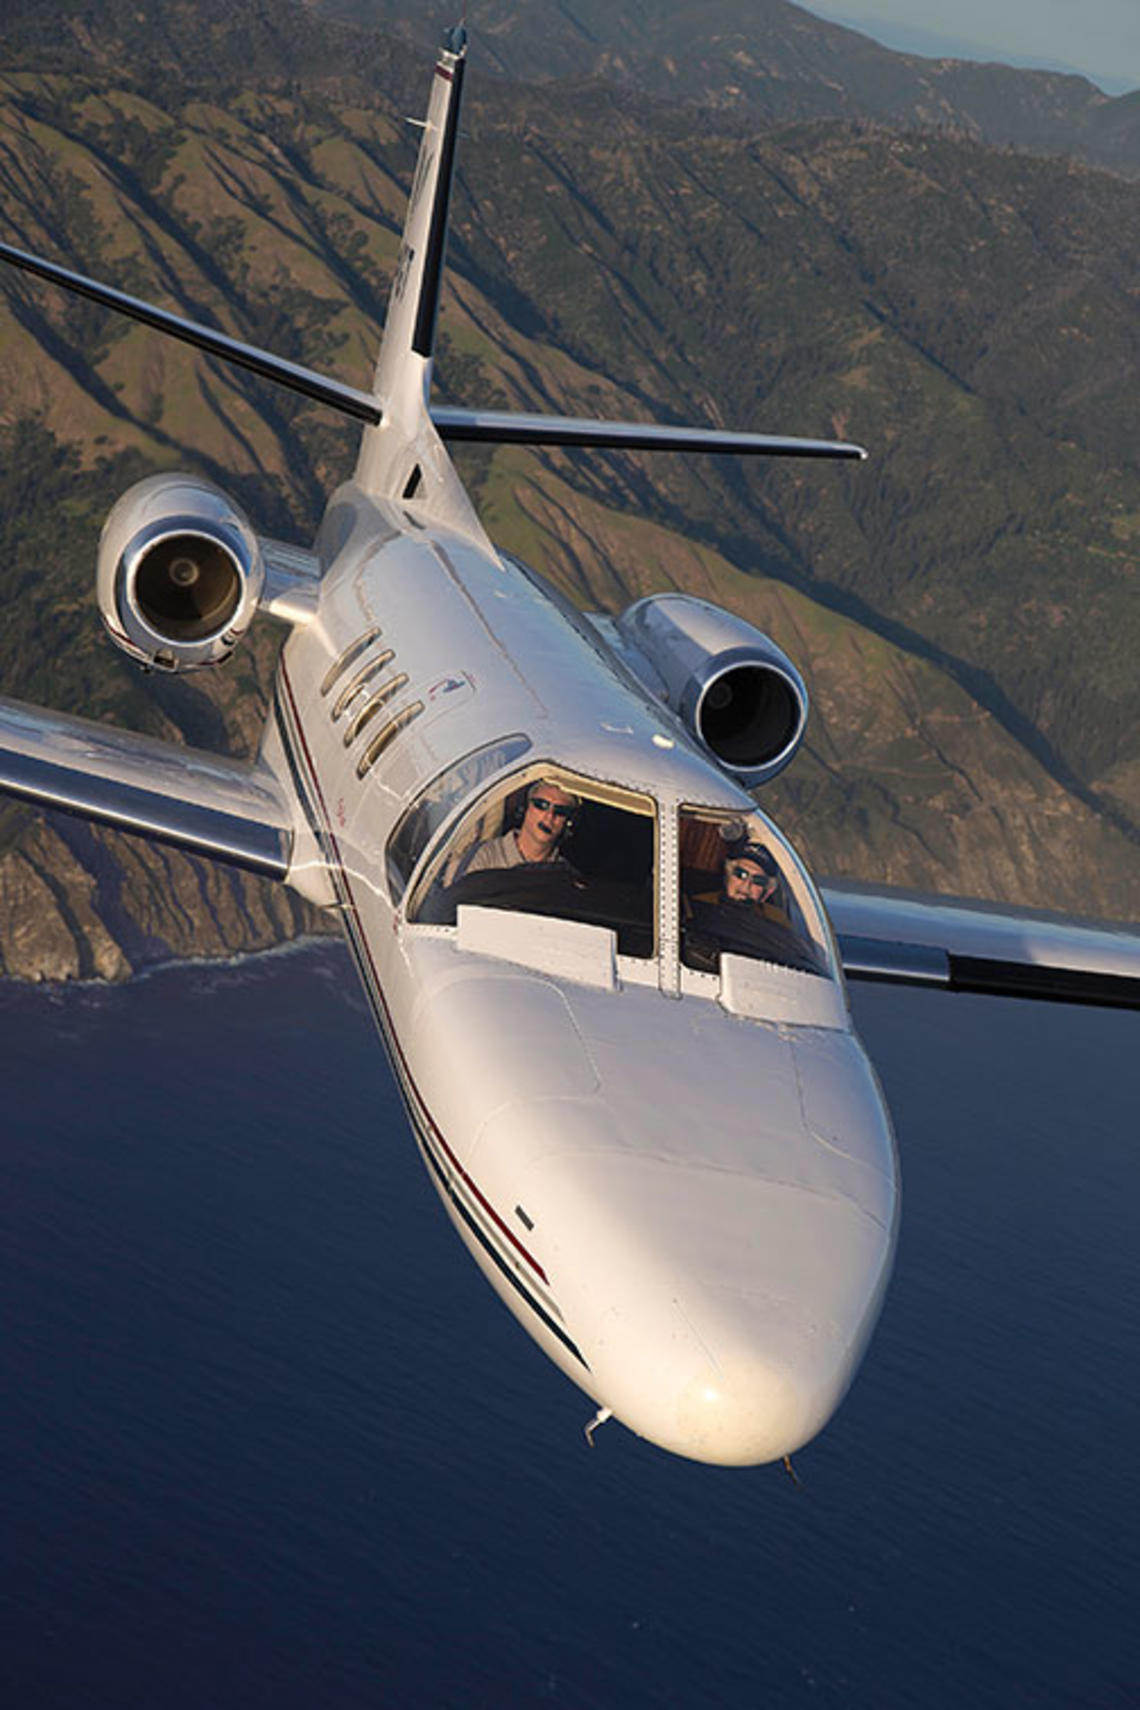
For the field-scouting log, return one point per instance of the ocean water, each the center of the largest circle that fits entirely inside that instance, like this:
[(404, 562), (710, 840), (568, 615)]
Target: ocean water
[(268, 1439)]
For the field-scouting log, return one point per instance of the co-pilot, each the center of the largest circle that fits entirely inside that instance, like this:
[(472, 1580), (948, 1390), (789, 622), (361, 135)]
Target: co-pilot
[(750, 875)]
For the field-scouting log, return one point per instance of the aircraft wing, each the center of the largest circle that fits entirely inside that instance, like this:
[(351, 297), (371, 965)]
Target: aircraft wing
[(203, 802), (904, 939)]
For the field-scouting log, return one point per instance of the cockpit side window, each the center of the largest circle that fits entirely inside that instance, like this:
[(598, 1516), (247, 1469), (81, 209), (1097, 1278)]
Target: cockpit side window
[(422, 820), (551, 843), (743, 892)]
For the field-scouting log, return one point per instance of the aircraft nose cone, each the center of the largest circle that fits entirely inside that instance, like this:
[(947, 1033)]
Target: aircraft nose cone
[(724, 1385), (721, 1318), (742, 1417)]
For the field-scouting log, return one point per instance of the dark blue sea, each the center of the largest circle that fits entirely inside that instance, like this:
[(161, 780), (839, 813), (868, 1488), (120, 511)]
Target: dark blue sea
[(268, 1439)]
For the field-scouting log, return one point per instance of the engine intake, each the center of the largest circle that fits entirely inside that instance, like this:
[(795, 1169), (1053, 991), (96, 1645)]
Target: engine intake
[(735, 690), (180, 573)]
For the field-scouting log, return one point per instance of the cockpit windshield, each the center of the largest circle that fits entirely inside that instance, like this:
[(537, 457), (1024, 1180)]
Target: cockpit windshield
[(548, 842), (744, 893), (434, 804)]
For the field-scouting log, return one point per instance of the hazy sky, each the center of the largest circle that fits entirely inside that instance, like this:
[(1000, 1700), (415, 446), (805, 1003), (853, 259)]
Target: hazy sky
[(1100, 38)]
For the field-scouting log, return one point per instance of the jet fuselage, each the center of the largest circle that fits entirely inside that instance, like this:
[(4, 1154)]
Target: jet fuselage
[(683, 1183)]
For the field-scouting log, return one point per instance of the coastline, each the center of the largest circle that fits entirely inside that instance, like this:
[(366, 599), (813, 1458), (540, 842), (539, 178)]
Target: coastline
[(235, 961)]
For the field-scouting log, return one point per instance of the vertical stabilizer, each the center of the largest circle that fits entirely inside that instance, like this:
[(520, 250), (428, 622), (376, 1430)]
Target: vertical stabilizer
[(404, 458), (410, 329)]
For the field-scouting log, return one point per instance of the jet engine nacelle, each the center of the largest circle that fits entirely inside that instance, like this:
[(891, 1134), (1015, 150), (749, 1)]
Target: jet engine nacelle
[(180, 573), (733, 688)]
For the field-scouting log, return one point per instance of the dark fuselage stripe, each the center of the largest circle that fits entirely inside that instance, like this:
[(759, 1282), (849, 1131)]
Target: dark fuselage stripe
[(425, 1130), (511, 1275), (371, 980)]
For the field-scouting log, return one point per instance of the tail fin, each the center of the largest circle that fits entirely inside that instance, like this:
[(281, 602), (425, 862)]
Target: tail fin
[(403, 458), (408, 345)]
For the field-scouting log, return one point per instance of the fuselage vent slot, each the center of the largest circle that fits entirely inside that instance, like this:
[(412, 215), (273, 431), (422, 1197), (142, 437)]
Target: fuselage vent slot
[(360, 681), (383, 737), (349, 657), (373, 705)]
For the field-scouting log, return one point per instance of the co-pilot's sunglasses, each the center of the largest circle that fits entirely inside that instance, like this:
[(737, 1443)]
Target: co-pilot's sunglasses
[(557, 810), (751, 878)]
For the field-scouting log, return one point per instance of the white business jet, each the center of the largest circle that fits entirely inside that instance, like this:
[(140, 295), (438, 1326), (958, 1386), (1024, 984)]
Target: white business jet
[(608, 986)]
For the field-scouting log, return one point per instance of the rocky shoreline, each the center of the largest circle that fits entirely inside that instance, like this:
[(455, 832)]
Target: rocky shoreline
[(85, 903)]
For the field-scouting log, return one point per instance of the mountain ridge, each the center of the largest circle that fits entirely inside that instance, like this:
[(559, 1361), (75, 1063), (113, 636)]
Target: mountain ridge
[(741, 61), (920, 291), (772, 61)]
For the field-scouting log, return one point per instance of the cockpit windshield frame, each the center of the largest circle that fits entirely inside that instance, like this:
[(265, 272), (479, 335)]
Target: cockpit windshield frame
[(762, 905), (602, 868), (420, 824)]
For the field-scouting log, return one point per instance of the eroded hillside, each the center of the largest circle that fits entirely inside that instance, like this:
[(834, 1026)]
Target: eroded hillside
[(963, 605)]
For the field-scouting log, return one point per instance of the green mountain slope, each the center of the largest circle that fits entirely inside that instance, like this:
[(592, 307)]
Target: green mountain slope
[(902, 776), (968, 314), (964, 605)]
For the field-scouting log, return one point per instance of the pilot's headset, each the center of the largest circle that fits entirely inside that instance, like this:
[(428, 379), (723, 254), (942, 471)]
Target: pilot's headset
[(515, 810)]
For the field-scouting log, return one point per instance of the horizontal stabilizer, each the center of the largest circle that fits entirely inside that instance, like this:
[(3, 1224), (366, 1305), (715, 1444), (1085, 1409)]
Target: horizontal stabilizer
[(201, 802), (900, 938), (504, 427), (498, 427), (362, 406)]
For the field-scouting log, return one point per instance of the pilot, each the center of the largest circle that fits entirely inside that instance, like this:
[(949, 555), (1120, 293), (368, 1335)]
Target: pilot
[(548, 816)]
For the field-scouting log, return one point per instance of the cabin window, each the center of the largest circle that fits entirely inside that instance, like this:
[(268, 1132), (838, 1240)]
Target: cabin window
[(437, 802), (551, 843), (744, 892)]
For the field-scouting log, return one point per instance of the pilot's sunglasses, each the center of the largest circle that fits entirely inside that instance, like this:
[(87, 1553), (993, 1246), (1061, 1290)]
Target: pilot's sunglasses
[(559, 810)]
